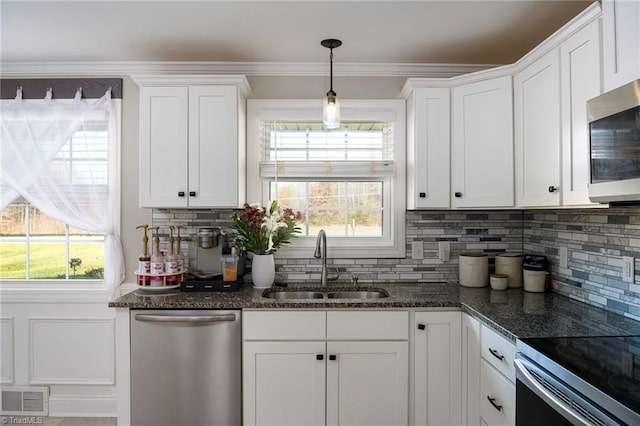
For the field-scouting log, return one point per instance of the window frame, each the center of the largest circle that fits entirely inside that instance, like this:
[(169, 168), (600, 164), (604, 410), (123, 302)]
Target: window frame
[(393, 244), (82, 289)]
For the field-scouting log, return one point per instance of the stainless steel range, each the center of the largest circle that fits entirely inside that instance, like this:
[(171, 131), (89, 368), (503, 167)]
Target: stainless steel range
[(578, 381)]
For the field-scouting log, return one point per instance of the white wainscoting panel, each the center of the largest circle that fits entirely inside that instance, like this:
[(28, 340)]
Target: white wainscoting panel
[(7, 346), (71, 351)]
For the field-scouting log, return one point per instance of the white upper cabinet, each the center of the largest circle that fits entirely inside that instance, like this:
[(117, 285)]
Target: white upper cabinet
[(428, 147), (164, 121), (482, 144), (537, 132), (192, 145), (580, 80), (621, 42), (551, 129)]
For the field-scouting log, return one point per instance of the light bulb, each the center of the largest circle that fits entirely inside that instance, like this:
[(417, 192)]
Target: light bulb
[(331, 111)]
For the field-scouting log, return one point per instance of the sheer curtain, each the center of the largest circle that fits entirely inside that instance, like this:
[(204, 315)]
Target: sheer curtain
[(32, 135)]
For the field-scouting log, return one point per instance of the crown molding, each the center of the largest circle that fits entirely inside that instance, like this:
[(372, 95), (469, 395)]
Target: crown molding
[(285, 69)]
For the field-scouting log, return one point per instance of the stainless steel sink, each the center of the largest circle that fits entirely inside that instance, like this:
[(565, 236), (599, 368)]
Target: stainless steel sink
[(298, 294), (292, 295), (371, 294)]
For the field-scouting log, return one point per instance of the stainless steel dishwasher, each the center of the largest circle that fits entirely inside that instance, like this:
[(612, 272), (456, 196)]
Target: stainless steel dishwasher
[(186, 367)]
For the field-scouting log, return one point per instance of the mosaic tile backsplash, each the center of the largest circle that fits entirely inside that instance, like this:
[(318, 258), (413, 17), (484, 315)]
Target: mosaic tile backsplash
[(596, 240)]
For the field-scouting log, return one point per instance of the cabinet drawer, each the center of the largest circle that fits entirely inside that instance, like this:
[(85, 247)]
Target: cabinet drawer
[(497, 397), (364, 325), (284, 325), (498, 352)]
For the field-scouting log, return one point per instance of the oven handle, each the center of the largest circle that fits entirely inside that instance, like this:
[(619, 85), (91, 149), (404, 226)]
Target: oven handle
[(546, 395)]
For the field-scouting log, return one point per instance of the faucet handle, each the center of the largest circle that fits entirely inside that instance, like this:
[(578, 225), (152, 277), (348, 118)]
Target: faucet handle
[(354, 280)]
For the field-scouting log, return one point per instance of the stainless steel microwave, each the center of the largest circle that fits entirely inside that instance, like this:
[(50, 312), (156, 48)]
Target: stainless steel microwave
[(614, 139)]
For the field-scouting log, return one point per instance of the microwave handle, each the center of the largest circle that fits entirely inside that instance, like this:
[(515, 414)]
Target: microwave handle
[(547, 396)]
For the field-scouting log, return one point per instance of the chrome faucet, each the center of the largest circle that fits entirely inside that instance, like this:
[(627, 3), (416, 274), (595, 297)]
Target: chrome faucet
[(321, 253)]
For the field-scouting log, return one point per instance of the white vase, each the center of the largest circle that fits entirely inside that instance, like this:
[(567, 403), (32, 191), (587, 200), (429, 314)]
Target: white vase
[(263, 270)]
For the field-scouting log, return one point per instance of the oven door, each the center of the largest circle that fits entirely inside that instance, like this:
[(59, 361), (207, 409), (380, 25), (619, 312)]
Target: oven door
[(541, 399)]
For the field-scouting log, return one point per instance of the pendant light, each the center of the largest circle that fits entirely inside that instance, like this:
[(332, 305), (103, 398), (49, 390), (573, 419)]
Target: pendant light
[(330, 105)]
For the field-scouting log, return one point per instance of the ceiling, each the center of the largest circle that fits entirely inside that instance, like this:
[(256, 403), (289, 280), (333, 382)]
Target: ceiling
[(394, 32)]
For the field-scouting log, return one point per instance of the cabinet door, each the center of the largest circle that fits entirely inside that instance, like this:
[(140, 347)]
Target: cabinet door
[(437, 376), (213, 146), (367, 383), (537, 132), (580, 81), (163, 147), (284, 383), (470, 370), (428, 148), (482, 144), (621, 42)]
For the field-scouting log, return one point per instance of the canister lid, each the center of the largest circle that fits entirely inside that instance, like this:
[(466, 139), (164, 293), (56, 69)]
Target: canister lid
[(473, 254), (535, 262), (509, 255)]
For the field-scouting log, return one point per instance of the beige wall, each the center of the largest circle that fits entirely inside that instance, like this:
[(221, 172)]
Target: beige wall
[(131, 216), (264, 87)]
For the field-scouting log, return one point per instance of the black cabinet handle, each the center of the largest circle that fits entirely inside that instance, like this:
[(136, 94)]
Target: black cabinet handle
[(319, 357), (458, 194), (332, 357), (423, 195), (496, 354), (181, 194), (553, 189), (421, 327), (192, 194), (492, 401)]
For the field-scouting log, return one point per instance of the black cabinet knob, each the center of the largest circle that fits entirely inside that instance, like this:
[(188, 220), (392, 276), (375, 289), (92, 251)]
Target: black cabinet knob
[(319, 357), (553, 189), (458, 194), (332, 357), (181, 194), (192, 193), (422, 195), (421, 327)]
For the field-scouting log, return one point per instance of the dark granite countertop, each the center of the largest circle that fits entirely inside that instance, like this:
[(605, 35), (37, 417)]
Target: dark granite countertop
[(513, 312)]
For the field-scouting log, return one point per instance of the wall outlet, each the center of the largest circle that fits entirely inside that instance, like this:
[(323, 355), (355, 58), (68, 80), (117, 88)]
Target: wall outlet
[(628, 269), (564, 257), (444, 250), (417, 250)]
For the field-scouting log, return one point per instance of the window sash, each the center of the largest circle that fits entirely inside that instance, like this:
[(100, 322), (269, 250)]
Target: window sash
[(260, 174)]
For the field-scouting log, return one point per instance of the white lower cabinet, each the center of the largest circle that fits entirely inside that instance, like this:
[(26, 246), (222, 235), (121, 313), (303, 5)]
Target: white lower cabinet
[(436, 373), (335, 380), (488, 376), (286, 383), (497, 397), (470, 370), (497, 379), (367, 383)]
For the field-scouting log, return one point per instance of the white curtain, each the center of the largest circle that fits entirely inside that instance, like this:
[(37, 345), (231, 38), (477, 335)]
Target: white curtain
[(33, 134)]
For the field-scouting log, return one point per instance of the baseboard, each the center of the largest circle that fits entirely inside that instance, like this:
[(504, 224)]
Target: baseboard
[(83, 406)]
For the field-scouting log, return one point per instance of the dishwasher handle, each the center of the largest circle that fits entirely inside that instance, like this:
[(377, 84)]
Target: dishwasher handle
[(186, 318)]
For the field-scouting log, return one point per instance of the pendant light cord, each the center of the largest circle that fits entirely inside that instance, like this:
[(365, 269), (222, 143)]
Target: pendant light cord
[(331, 70)]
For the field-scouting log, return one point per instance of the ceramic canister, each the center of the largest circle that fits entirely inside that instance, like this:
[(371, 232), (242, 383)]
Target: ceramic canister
[(534, 281), (510, 264), (474, 269)]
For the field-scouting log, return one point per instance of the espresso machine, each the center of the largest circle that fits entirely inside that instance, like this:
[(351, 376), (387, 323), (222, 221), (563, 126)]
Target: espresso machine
[(206, 250)]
